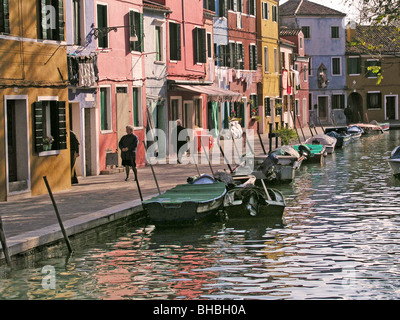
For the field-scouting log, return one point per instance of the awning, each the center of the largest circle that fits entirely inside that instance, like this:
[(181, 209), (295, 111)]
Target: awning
[(213, 93)]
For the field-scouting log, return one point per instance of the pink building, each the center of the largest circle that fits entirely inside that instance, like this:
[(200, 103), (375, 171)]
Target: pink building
[(296, 62), (121, 93)]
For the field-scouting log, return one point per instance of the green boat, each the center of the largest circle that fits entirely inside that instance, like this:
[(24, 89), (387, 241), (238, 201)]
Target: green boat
[(315, 153), (186, 203)]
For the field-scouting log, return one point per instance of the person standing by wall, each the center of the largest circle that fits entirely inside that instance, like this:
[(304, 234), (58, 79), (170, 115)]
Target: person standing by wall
[(128, 145), (74, 151)]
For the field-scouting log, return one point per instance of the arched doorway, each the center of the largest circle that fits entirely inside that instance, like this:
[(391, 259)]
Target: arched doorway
[(355, 102)]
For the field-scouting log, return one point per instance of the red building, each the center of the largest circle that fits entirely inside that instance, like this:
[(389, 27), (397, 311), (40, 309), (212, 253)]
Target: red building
[(243, 58), (299, 71)]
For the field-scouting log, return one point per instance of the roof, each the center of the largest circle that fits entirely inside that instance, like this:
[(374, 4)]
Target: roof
[(150, 5), (289, 32), (306, 8), (374, 39)]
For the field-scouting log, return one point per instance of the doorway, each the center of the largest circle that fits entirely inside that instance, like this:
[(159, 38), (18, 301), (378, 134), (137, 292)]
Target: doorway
[(323, 108), (17, 136), (391, 110), (188, 114), (356, 105)]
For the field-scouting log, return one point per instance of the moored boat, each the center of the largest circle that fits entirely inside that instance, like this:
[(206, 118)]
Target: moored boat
[(341, 134), (355, 132), (385, 126), (252, 201), (369, 128), (327, 141), (394, 161), (186, 203), (314, 153)]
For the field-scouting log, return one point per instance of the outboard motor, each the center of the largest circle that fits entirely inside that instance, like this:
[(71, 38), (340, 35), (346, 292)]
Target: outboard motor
[(304, 150)]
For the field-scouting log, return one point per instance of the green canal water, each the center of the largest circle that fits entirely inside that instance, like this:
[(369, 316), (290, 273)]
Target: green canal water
[(340, 239)]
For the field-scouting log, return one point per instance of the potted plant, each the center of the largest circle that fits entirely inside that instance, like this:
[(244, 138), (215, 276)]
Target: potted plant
[(278, 108), (287, 135), (47, 142)]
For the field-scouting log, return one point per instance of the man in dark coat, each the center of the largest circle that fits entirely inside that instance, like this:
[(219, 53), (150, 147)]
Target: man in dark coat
[(128, 145), (348, 113), (74, 152)]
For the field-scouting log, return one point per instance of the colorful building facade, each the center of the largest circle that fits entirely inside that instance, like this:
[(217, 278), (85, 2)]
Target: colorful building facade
[(33, 99)]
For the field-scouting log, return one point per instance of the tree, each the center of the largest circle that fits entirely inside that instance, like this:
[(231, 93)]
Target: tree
[(377, 12)]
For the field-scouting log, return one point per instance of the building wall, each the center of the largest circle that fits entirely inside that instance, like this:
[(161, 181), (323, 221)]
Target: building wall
[(126, 69), (31, 68), (268, 37)]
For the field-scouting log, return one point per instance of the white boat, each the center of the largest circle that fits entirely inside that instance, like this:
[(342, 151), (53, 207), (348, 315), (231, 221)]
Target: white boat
[(394, 161), (327, 141)]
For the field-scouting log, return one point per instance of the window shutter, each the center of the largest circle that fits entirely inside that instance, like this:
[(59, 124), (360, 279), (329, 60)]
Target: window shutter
[(140, 33), (235, 5), (178, 41), (202, 45), (61, 20), (236, 56), (5, 17), (255, 57), (251, 58), (255, 7), (195, 33), (42, 11), (38, 125), (242, 63), (62, 125)]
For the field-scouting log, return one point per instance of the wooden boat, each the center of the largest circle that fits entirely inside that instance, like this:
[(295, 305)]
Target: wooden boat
[(279, 166), (252, 201), (394, 161), (187, 203), (341, 134), (385, 126), (355, 132), (315, 153), (369, 128), (327, 141)]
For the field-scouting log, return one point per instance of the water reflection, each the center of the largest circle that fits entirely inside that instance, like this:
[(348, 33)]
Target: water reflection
[(339, 239)]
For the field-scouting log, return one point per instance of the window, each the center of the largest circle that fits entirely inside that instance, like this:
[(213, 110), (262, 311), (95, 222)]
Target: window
[(231, 5), (301, 42), (102, 22), (354, 65), (283, 60), (372, 68), (232, 55), (209, 4), (158, 39), (274, 13), (335, 32), (239, 63), (4, 17), (252, 7), (305, 74), (76, 21), (137, 107), (105, 109), (265, 10), (253, 57), (276, 59), (51, 26), (338, 101), (198, 108), (223, 55), (278, 107), (253, 105), (136, 29), (174, 109), (266, 60), (199, 45), (222, 8), (374, 100), (267, 106), (50, 121), (175, 41), (209, 45), (306, 32), (239, 7), (336, 66)]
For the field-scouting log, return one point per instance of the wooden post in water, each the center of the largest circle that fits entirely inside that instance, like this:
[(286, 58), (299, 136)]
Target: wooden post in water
[(270, 137), (208, 159), (259, 137), (151, 166), (4, 244), (58, 215), (301, 128), (223, 154)]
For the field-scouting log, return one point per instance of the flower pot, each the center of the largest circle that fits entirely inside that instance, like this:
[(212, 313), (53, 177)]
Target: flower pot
[(46, 147)]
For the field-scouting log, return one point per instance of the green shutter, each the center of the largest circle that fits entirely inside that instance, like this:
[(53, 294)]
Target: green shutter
[(140, 33), (255, 57), (251, 58), (6, 18), (178, 41), (242, 63), (62, 125), (61, 20), (202, 45), (43, 30), (103, 109), (196, 45), (38, 125)]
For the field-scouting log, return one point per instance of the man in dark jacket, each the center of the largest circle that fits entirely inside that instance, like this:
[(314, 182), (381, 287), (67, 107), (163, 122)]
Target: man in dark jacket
[(74, 152), (128, 145)]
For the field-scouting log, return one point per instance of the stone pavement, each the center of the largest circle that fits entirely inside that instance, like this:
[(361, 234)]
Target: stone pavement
[(96, 196)]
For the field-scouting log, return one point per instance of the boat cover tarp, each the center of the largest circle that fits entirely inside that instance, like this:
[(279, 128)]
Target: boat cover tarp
[(321, 139), (315, 148), (395, 153), (286, 151)]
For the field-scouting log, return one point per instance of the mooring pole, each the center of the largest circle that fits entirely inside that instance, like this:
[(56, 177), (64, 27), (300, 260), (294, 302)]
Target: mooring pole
[(137, 180), (259, 137), (58, 215), (208, 159), (223, 154), (151, 166), (270, 137), (301, 128), (4, 244)]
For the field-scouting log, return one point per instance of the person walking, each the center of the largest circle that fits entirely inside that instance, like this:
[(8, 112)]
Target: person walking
[(74, 153), (128, 145)]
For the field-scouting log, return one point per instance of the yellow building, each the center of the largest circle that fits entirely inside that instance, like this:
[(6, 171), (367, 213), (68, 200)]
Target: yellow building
[(33, 95), (268, 48)]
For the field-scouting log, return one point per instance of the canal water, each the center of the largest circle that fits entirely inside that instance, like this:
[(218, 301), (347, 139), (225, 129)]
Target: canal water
[(339, 239)]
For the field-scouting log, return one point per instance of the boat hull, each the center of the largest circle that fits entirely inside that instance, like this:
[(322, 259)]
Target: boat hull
[(395, 165), (186, 204)]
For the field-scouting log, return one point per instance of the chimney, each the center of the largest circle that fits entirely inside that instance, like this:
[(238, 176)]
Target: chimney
[(351, 30)]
